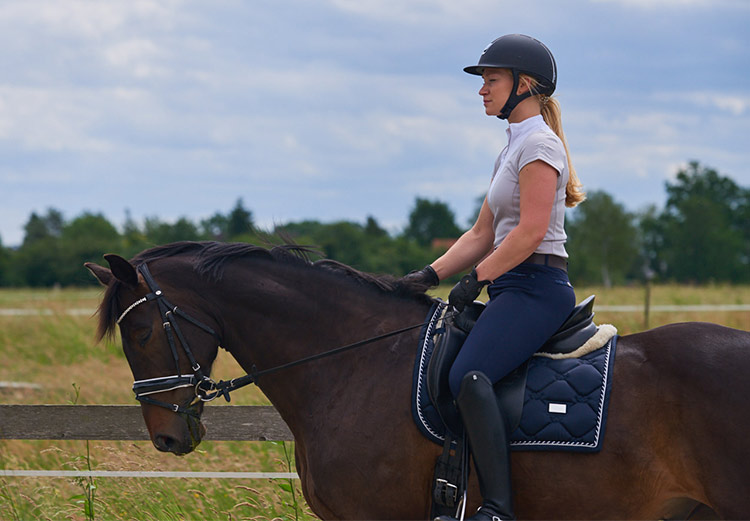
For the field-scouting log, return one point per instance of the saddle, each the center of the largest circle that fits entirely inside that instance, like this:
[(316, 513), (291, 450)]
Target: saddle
[(578, 337), (575, 331)]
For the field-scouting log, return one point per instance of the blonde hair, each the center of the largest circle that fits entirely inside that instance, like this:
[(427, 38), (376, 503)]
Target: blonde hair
[(550, 109)]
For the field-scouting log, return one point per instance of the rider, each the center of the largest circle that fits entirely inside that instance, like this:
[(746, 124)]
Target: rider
[(517, 248)]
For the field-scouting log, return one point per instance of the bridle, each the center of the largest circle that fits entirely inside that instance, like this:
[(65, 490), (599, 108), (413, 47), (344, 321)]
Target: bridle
[(205, 388)]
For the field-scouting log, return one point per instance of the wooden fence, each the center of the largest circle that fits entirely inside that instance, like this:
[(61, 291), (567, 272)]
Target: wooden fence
[(124, 422)]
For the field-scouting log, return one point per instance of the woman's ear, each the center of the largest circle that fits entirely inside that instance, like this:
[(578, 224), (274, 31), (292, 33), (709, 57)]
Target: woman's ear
[(524, 85)]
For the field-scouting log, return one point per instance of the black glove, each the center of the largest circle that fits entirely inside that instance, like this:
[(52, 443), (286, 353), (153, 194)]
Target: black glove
[(425, 276), (466, 291)]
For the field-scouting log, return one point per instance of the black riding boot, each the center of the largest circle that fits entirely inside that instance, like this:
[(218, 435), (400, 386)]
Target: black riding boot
[(488, 439)]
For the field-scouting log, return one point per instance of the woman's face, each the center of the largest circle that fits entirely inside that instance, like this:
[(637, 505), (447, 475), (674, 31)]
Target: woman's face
[(495, 90)]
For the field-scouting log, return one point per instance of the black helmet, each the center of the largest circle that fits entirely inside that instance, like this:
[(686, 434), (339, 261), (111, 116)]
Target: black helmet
[(519, 53)]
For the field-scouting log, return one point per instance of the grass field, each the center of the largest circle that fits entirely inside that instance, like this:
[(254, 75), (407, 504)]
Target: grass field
[(56, 352)]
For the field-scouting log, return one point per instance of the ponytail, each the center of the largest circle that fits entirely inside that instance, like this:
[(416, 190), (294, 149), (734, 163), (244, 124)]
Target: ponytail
[(550, 109)]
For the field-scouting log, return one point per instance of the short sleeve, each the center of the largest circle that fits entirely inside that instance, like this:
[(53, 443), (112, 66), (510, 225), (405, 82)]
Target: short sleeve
[(546, 147)]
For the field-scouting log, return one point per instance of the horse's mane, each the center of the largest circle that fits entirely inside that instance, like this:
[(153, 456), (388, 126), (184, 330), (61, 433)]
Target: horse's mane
[(210, 260)]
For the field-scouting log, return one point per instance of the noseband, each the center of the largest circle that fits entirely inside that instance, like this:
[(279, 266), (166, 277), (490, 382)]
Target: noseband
[(205, 388)]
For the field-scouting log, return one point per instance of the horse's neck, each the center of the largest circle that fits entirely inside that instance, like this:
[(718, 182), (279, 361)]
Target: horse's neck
[(275, 321)]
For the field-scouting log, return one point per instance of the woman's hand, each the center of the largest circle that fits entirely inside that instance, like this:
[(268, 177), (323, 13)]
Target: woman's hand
[(426, 277), (466, 291)]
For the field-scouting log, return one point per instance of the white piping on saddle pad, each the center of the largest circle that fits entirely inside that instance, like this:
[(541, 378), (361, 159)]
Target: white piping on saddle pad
[(599, 340)]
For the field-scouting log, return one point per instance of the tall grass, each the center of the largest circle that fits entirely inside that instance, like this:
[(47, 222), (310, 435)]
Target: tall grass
[(56, 351)]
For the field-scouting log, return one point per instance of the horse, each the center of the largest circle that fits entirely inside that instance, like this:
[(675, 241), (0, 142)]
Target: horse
[(676, 439)]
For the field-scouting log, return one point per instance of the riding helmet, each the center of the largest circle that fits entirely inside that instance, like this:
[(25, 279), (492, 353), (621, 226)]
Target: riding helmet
[(519, 53)]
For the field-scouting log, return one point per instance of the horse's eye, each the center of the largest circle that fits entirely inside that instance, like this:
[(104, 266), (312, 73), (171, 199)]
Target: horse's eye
[(143, 336)]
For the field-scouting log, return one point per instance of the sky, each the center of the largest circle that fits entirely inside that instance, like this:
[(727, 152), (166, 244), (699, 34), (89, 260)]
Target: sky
[(344, 109)]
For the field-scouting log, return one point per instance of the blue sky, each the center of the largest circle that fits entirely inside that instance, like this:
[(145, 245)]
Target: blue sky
[(341, 109)]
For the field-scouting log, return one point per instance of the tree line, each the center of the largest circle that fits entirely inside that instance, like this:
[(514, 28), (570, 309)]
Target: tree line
[(701, 235)]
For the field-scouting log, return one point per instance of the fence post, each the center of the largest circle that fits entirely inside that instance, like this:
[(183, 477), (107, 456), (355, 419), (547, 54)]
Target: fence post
[(648, 274)]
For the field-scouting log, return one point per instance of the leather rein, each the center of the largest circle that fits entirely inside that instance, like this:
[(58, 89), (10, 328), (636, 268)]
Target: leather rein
[(205, 388)]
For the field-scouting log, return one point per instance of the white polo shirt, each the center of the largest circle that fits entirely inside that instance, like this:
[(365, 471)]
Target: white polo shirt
[(528, 140)]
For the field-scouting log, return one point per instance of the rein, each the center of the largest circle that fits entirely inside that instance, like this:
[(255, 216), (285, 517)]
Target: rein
[(205, 388), (224, 387)]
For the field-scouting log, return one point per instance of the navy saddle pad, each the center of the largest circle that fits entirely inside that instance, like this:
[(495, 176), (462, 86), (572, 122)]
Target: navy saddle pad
[(565, 402)]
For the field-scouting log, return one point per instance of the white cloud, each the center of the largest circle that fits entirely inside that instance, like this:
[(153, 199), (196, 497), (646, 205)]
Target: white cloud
[(669, 4), (88, 19), (49, 119), (734, 104), (136, 56), (418, 11)]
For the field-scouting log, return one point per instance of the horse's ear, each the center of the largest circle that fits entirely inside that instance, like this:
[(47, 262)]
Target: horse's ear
[(122, 269), (102, 274)]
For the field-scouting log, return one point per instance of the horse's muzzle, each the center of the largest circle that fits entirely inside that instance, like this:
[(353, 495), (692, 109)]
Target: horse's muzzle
[(185, 439)]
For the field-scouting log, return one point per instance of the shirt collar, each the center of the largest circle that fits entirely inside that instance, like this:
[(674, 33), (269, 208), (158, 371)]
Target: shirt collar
[(522, 128)]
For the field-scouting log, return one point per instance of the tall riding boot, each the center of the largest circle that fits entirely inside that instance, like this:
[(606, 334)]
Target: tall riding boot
[(488, 439)]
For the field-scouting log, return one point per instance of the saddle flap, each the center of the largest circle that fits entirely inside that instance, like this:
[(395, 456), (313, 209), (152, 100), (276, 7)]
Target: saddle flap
[(444, 354)]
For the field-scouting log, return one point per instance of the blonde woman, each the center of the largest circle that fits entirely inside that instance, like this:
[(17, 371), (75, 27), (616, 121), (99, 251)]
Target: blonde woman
[(516, 247)]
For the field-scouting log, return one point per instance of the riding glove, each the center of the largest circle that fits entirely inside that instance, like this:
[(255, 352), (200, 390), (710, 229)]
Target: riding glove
[(426, 276), (466, 291)]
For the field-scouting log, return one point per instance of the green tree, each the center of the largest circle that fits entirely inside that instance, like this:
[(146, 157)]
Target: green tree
[(4, 264), (373, 229), (215, 227), (133, 239), (345, 242), (36, 264), (160, 232), (37, 261), (369, 248), (86, 238), (239, 222), (602, 243), (430, 220), (40, 227), (704, 228)]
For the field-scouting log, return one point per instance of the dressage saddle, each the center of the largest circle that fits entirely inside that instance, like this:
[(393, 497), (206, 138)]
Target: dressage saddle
[(575, 331)]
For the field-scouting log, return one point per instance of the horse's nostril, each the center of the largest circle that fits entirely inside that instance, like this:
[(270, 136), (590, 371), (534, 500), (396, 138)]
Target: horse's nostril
[(165, 443)]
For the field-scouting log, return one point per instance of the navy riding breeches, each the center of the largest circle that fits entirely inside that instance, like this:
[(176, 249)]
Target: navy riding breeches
[(527, 305)]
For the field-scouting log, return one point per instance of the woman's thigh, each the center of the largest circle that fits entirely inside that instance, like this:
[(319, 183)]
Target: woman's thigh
[(523, 312)]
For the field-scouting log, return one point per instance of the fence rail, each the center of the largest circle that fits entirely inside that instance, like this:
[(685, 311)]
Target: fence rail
[(674, 308), (124, 422)]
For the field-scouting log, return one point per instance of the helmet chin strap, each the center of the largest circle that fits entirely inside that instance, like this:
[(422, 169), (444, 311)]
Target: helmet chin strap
[(514, 99)]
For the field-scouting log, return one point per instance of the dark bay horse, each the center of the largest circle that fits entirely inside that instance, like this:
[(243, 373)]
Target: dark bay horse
[(676, 443)]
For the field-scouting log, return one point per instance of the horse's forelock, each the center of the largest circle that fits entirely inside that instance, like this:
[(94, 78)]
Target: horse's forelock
[(107, 312)]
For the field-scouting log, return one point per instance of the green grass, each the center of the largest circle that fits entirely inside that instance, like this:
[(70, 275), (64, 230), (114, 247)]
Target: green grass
[(147, 499), (56, 351)]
